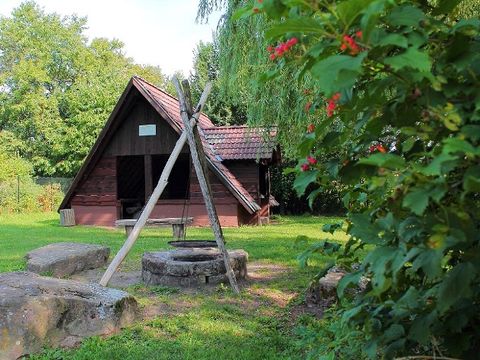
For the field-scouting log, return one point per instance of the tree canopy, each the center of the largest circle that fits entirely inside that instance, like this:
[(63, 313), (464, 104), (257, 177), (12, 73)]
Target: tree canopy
[(57, 87)]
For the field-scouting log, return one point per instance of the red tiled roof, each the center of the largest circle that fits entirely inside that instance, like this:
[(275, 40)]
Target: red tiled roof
[(241, 142), (168, 103)]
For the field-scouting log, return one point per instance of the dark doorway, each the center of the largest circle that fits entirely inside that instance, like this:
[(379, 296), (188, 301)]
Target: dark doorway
[(130, 185), (178, 182)]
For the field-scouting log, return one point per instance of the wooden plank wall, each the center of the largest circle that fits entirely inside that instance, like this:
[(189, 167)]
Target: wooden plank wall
[(125, 141), (246, 171), (100, 187), (220, 193)]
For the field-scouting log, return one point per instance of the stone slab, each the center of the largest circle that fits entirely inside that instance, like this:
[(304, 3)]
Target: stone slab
[(36, 311), (64, 259)]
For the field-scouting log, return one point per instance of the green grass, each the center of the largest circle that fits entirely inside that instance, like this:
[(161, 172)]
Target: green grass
[(192, 324)]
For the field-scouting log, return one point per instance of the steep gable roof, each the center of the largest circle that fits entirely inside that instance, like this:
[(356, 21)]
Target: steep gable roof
[(168, 108)]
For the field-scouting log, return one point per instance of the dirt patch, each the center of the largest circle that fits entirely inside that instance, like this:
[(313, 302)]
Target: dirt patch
[(120, 279)]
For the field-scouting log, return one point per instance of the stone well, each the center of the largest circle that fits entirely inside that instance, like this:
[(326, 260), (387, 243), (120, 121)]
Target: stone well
[(191, 267)]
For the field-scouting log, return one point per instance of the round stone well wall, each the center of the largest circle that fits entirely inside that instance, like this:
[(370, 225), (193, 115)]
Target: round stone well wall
[(190, 267)]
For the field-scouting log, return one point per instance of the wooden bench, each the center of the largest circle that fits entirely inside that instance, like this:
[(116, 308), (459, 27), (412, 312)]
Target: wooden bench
[(178, 225)]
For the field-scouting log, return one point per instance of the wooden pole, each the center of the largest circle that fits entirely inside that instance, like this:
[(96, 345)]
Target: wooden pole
[(162, 183), (202, 176)]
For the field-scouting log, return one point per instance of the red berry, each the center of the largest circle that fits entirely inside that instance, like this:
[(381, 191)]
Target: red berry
[(381, 148), (310, 128), (256, 10), (270, 48), (305, 167), (292, 41), (359, 34), (272, 56), (311, 160)]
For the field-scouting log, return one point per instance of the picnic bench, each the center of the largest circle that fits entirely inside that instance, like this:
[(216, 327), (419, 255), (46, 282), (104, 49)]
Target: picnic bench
[(178, 225)]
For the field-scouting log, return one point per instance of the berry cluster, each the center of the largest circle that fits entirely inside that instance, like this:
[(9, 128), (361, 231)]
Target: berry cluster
[(310, 162), (378, 147), (332, 104), (349, 43), (282, 48)]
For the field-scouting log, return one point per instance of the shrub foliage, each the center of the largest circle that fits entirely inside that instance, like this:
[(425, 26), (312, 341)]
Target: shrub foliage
[(396, 95)]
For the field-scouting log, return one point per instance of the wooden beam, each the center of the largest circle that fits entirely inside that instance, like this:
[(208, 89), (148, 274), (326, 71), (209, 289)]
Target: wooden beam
[(196, 150), (162, 183)]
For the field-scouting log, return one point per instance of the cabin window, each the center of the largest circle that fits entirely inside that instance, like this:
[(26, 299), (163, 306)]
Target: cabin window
[(178, 182)]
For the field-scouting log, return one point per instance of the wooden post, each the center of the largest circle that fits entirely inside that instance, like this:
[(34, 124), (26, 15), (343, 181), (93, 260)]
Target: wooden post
[(162, 183), (202, 176), (67, 217)]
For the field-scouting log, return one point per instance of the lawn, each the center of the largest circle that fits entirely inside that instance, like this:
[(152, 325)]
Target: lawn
[(192, 323)]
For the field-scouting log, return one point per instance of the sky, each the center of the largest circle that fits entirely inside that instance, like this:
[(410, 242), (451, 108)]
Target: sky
[(155, 32)]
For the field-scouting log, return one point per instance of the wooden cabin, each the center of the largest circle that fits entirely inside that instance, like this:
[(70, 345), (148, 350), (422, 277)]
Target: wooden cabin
[(123, 167)]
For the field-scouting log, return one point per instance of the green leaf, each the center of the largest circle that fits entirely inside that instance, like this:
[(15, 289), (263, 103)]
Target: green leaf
[(416, 200), (471, 179), (349, 10), (312, 196), (394, 332), (410, 228), (430, 261), (274, 8), (456, 286), (405, 16), (304, 25), (393, 39), (346, 281), (389, 161), (420, 329), (331, 228), (453, 145), (337, 72), (304, 179), (436, 166), (411, 58), (362, 228)]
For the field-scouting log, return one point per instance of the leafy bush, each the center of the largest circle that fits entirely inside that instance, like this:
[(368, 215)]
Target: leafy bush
[(396, 94)]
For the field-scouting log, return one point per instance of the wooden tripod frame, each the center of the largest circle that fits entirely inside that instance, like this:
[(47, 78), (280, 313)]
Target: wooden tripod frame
[(190, 133)]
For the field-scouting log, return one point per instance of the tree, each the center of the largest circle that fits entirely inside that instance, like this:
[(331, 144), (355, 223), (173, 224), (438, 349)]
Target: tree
[(56, 89), (205, 69)]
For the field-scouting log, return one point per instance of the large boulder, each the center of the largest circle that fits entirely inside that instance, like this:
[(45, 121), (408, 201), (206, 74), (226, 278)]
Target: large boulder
[(64, 259), (37, 311)]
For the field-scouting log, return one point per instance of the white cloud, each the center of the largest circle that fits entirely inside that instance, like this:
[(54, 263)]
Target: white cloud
[(155, 32)]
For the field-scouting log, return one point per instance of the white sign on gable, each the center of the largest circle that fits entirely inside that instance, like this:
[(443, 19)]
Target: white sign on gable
[(147, 130)]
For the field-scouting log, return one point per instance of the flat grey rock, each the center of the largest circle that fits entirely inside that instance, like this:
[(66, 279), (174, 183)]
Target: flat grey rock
[(64, 259), (37, 311)]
